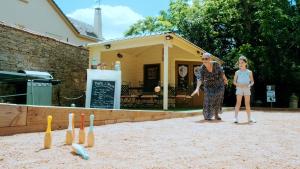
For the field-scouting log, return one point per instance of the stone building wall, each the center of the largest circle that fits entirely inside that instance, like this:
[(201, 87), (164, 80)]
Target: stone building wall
[(24, 50)]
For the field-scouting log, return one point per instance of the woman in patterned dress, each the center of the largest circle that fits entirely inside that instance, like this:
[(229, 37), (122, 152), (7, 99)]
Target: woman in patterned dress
[(214, 80)]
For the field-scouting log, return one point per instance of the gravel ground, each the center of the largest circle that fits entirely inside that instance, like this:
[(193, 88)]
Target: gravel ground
[(272, 142)]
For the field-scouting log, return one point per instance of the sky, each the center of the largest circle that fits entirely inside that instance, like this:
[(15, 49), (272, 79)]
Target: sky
[(117, 15)]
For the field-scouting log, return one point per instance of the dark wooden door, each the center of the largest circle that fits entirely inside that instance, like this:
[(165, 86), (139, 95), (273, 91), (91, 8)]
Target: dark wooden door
[(151, 77), (187, 80), (196, 100)]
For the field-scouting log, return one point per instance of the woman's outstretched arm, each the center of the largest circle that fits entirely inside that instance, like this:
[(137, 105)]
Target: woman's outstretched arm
[(197, 88)]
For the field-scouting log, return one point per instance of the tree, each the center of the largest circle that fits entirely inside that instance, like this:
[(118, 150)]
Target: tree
[(266, 31)]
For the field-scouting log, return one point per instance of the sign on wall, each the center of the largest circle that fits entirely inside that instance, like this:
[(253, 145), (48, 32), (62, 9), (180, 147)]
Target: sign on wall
[(271, 93), (183, 76)]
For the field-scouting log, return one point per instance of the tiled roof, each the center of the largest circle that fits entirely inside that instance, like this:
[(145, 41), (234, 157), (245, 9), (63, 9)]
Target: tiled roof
[(83, 28), (77, 30)]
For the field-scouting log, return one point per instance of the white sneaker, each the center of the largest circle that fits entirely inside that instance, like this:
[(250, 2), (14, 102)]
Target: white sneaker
[(251, 121), (236, 120)]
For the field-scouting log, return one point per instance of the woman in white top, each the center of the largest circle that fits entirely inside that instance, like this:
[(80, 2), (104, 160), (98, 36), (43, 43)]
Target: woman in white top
[(243, 80)]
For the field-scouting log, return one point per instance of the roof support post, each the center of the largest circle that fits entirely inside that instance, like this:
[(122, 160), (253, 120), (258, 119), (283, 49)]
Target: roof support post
[(166, 77)]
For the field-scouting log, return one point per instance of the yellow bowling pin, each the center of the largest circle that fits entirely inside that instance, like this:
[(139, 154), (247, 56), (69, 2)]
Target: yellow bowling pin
[(91, 137), (48, 137), (81, 131), (69, 135)]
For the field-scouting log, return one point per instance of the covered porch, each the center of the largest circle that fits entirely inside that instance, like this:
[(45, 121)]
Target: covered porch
[(166, 60)]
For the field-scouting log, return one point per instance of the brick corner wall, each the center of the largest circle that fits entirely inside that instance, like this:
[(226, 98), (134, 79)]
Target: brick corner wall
[(24, 50)]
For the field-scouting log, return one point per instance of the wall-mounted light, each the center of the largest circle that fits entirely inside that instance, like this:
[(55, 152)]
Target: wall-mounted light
[(169, 37), (199, 52), (119, 55), (107, 46)]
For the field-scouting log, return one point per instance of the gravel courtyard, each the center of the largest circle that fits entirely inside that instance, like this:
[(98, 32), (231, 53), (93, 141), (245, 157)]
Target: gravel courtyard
[(272, 142)]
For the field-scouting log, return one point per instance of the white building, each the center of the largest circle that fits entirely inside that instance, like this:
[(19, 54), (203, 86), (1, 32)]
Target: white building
[(45, 17)]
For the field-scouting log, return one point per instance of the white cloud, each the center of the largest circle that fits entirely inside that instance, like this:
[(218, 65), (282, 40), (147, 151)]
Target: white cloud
[(115, 19)]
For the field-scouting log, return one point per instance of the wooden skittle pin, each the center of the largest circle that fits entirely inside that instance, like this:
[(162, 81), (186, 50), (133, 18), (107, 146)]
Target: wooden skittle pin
[(81, 131), (48, 137), (91, 137), (73, 126), (69, 135), (78, 149)]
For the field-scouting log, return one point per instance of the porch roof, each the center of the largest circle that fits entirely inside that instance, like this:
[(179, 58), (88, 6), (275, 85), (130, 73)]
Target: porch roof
[(172, 39)]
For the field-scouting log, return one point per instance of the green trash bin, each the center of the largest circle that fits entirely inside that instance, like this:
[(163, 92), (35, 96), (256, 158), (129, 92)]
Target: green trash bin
[(39, 93), (293, 101)]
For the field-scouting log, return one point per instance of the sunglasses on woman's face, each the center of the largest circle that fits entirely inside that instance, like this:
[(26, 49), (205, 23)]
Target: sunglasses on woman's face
[(205, 58)]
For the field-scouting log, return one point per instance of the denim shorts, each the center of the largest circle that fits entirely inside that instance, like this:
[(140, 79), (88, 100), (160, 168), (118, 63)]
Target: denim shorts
[(243, 91)]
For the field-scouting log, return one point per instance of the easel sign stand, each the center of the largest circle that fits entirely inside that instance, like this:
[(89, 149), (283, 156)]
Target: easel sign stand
[(103, 89)]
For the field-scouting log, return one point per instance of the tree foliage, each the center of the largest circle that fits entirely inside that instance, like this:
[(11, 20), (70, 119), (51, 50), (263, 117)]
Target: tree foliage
[(265, 31)]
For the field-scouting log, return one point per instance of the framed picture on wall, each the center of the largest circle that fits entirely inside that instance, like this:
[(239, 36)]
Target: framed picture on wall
[(183, 76)]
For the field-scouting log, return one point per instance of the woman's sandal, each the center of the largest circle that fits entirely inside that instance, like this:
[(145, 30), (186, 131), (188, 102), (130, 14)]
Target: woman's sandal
[(218, 118)]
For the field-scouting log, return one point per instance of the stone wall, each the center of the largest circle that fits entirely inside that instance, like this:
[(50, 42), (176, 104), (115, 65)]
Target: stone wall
[(25, 50)]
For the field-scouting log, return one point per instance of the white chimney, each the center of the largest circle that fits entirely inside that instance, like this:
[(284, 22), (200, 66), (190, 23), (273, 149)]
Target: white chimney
[(98, 23)]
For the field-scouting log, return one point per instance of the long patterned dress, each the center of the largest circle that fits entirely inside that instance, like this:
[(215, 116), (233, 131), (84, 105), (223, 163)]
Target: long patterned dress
[(213, 89)]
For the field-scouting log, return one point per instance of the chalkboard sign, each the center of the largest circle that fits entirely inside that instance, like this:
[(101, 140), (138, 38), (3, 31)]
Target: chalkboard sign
[(103, 93)]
